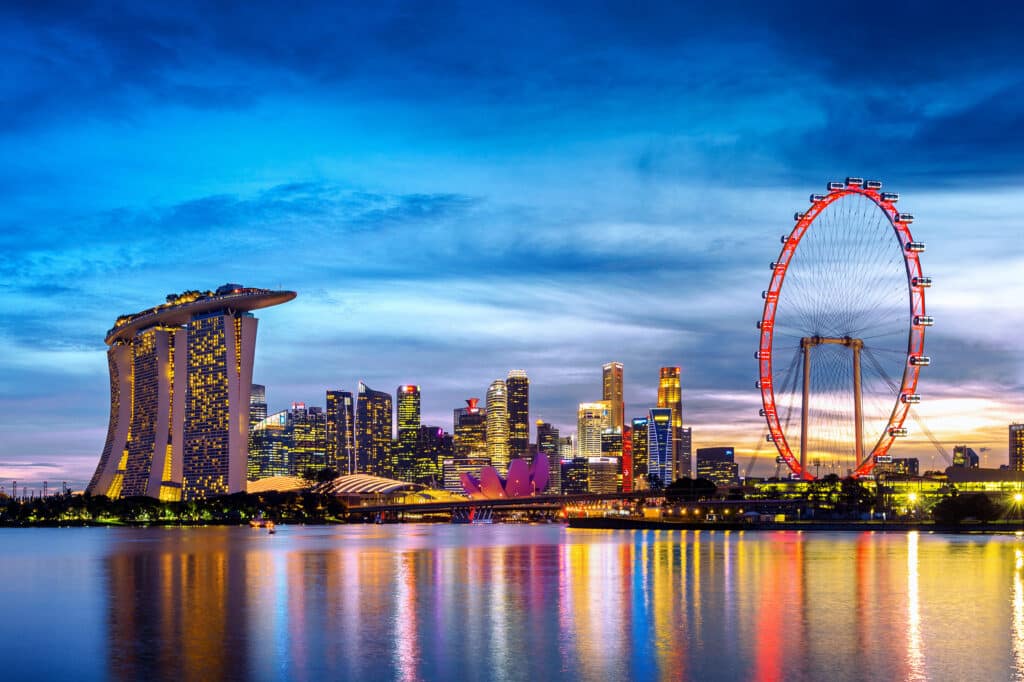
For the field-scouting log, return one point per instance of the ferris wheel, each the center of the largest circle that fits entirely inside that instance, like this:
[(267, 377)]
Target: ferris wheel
[(842, 333)]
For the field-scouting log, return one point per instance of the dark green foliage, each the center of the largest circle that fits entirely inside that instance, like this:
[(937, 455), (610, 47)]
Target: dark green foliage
[(958, 508), (690, 490), (290, 507)]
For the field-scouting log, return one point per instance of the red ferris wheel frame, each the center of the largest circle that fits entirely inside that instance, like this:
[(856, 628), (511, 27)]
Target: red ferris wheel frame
[(915, 341)]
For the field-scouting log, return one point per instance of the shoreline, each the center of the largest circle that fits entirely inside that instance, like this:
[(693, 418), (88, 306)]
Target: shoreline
[(611, 523)]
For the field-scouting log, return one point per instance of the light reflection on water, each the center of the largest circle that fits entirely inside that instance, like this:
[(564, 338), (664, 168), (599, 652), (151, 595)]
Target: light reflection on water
[(508, 602)]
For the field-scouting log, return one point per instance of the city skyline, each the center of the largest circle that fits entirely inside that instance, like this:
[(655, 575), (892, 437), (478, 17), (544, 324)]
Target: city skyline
[(546, 203)]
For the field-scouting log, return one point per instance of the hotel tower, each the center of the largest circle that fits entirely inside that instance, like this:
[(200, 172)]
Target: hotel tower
[(180, 383)]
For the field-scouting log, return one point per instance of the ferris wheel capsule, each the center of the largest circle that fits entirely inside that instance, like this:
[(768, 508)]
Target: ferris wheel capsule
[(815, 198), (854, 182), (873, 184), (835, 186), (891, 197)]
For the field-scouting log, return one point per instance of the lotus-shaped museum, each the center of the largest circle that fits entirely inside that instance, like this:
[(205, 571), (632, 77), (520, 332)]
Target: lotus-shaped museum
[(522, 480)]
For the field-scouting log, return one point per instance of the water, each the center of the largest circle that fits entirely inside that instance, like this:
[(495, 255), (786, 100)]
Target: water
[(507, 602)]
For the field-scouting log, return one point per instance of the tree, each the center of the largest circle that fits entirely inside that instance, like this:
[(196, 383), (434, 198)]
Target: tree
[(691, 490), (955, 509)]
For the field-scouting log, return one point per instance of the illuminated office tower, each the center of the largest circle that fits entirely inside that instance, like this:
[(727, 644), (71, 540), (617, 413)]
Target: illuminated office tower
[(340, 432), (1017, 447), (180, 384), (611, 448), (257, 413), (659, 444), (574, 475), (612, 393), (470, 430), (591, 420), (718, 465), (670, 395), (684, 452), (639, 438), (602, 475), (965, 457), (373, 432), (307, 451), (518, 387), (497, 425), (566, 448), (433, 446), (407, 398), (452, 469), (627, 459), (271, 442), (547, 442)]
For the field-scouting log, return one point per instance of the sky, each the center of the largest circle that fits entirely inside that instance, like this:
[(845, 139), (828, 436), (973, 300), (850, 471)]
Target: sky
[(458, 189)]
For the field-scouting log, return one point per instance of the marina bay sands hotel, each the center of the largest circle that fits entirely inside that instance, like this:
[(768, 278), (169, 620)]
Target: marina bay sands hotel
[(180, 377)]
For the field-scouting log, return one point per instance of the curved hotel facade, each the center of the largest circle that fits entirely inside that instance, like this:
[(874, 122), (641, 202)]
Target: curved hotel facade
[(180, 382)]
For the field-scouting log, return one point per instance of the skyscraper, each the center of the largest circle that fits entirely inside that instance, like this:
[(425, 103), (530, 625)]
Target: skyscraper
[(470, 430), (373, 432), (407, 398), (257, 413), (308, 449), (341, 430), (611, 448), (497, 425), (659, 445), (670, 396), (180, 385), (684, 451), (612, 393), (964, 456), (718, 465), (518, 386), (1017, 447), (432, 448), (639, 437), (547, 442), (591, 420), (627, 459), (271, 442)]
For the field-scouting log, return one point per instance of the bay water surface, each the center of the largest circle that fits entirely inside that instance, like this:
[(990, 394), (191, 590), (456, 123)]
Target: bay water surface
[(507, 602)]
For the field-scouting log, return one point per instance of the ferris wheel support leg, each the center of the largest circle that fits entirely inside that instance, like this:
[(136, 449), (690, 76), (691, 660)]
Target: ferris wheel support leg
[(805, 345), (858, 414)]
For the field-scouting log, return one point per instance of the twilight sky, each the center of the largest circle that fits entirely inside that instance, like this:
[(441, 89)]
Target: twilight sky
[(457, 189)]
